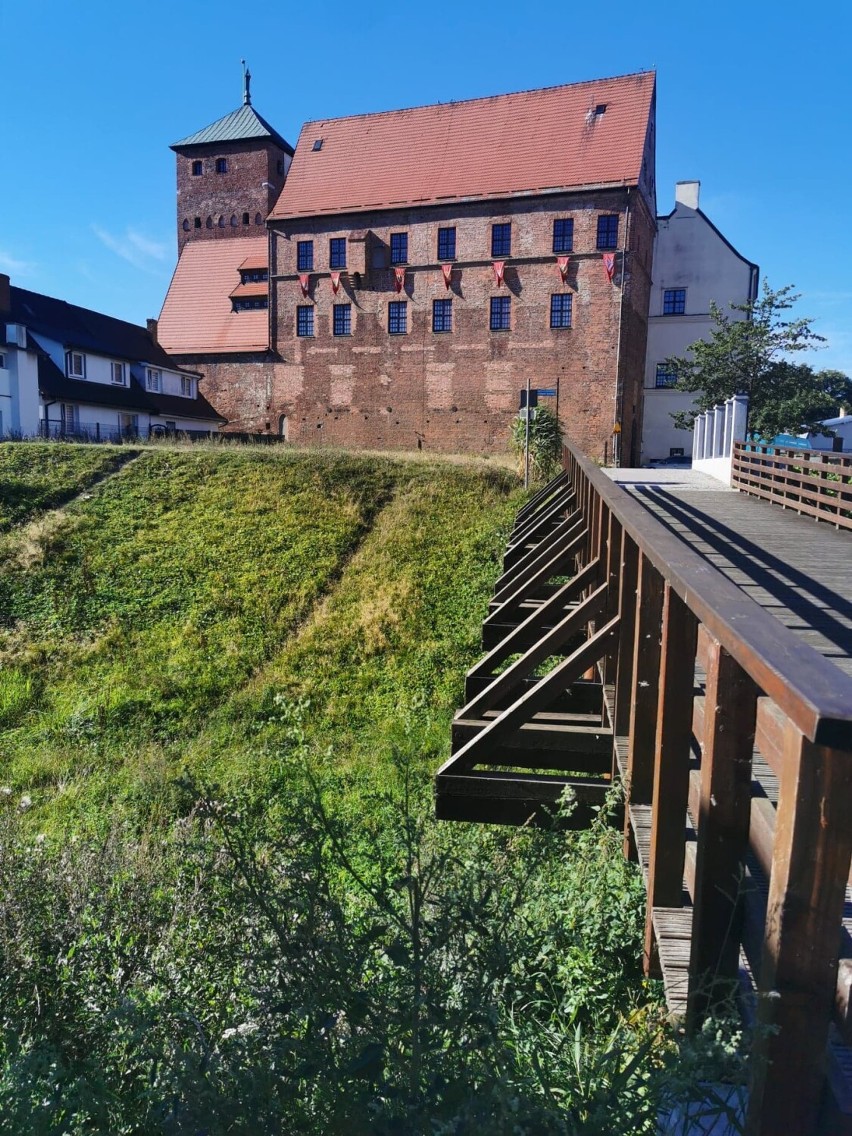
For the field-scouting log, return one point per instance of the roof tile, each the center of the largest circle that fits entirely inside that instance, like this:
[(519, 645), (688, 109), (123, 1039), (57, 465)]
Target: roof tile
[(197, 317), (484, 148)]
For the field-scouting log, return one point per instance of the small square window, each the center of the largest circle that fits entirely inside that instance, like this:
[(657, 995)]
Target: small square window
[(186, 387), (154, 380), (397, 317), (563, 234), (666, 376), (337, 253), (501, 239), (447, 243), (674, 302), (305, 321), (608, 231), (75, 365), (399, 248), (342, 319), (442, 315), (197, 169), (560, 309), (304, 256), (117, 373), (500, 313), (221, 165)]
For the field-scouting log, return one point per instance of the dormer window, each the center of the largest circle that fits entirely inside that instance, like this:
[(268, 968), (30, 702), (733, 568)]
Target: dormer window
[(116, 371), (153, 380), (254, 275), (187, 387), (221, 165), (75, 365)]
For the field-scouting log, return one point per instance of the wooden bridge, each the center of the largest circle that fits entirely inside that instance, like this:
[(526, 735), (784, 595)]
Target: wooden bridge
[(697, 647)]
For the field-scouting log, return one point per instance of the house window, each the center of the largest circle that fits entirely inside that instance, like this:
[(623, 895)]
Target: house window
[(337, 253), (442, 315), (117, 373), (305, 321), (342, 324), (304, 256), (254, 276), (397, 317), (75, 365), (153, 380), (666, 376), (608, 231), (447, 244), (563, 234), (250, 304), (187, 387), (560, 309), (221, 165), (674, 301), (129, 424), (197, 169), (399, 248), (501, 239), (69, 417), (500, 313), (2, 361)]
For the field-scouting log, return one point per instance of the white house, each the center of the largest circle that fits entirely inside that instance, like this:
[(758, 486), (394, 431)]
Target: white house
[(67, 371), (694, 265)]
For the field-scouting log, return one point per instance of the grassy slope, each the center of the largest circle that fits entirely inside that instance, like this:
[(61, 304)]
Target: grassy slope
[(35, 477), (151, 626)]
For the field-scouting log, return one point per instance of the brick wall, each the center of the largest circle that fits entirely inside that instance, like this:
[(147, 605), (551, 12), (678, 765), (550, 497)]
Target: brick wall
[(458, 391), (208, 203)]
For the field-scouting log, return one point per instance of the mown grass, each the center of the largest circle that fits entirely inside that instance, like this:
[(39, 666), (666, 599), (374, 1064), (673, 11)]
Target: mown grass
[(36, 476), (161, 622)]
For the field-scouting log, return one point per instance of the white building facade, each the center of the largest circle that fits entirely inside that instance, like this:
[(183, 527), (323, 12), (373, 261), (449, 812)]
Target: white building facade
[(694, 266)]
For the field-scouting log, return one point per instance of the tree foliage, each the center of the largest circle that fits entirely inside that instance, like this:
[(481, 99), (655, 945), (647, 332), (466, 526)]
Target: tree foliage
[(748, 352)]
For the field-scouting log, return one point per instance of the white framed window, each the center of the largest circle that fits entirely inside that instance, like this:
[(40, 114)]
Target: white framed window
[(116, 373), (186, 387), (154, 379), (129, 425), (75, 365), (69, 417)]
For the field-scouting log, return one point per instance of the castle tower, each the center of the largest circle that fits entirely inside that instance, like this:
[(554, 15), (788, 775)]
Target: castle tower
[(229, 175)]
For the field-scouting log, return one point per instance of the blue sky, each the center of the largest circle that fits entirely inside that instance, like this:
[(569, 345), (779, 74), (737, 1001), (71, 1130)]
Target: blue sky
[(752, 99)]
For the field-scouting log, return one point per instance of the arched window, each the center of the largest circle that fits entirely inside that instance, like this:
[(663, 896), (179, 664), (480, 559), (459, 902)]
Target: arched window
[(221, 221), (198, 222), (186, 224), (245, 218), (234, 219), (282, 426), (258, 220), (209, 223)]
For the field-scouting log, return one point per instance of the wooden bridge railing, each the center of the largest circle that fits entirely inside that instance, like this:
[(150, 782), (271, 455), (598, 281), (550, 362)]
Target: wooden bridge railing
[(814, 482), (734, 743)]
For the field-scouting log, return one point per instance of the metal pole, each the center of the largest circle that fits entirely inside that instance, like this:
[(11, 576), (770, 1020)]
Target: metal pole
[(527, 438)]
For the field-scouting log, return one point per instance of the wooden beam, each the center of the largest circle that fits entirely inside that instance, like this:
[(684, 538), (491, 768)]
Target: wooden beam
[(798, 975)]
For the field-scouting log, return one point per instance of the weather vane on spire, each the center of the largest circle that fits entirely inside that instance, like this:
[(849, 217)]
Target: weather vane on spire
[(246, 84)]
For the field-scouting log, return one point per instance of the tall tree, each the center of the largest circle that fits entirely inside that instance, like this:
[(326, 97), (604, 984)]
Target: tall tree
[(748, 353)]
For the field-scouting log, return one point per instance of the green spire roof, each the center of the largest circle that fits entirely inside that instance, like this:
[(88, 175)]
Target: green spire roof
[(238, 126)]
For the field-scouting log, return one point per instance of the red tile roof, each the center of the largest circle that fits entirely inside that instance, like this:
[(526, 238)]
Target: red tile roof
[(258, 288), (197, 317), (485, 148)]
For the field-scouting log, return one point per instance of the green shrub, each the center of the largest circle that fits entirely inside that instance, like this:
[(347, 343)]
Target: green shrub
[(545, 444)]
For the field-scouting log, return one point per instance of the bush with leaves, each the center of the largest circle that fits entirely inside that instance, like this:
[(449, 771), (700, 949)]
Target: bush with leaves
[(545, 443)]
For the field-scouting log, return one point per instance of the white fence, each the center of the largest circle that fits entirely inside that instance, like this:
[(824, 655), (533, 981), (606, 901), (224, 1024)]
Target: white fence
[(715, 432)]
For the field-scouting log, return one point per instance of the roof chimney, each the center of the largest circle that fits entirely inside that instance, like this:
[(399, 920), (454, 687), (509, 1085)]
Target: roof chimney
[(5, 294), (686, 193), (152, 330)]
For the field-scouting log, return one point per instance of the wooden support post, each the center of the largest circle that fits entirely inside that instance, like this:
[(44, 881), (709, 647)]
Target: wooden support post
[(730, 712), (642, 738), (614, 536), (810, 867), (627, 596), (671, 762)]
